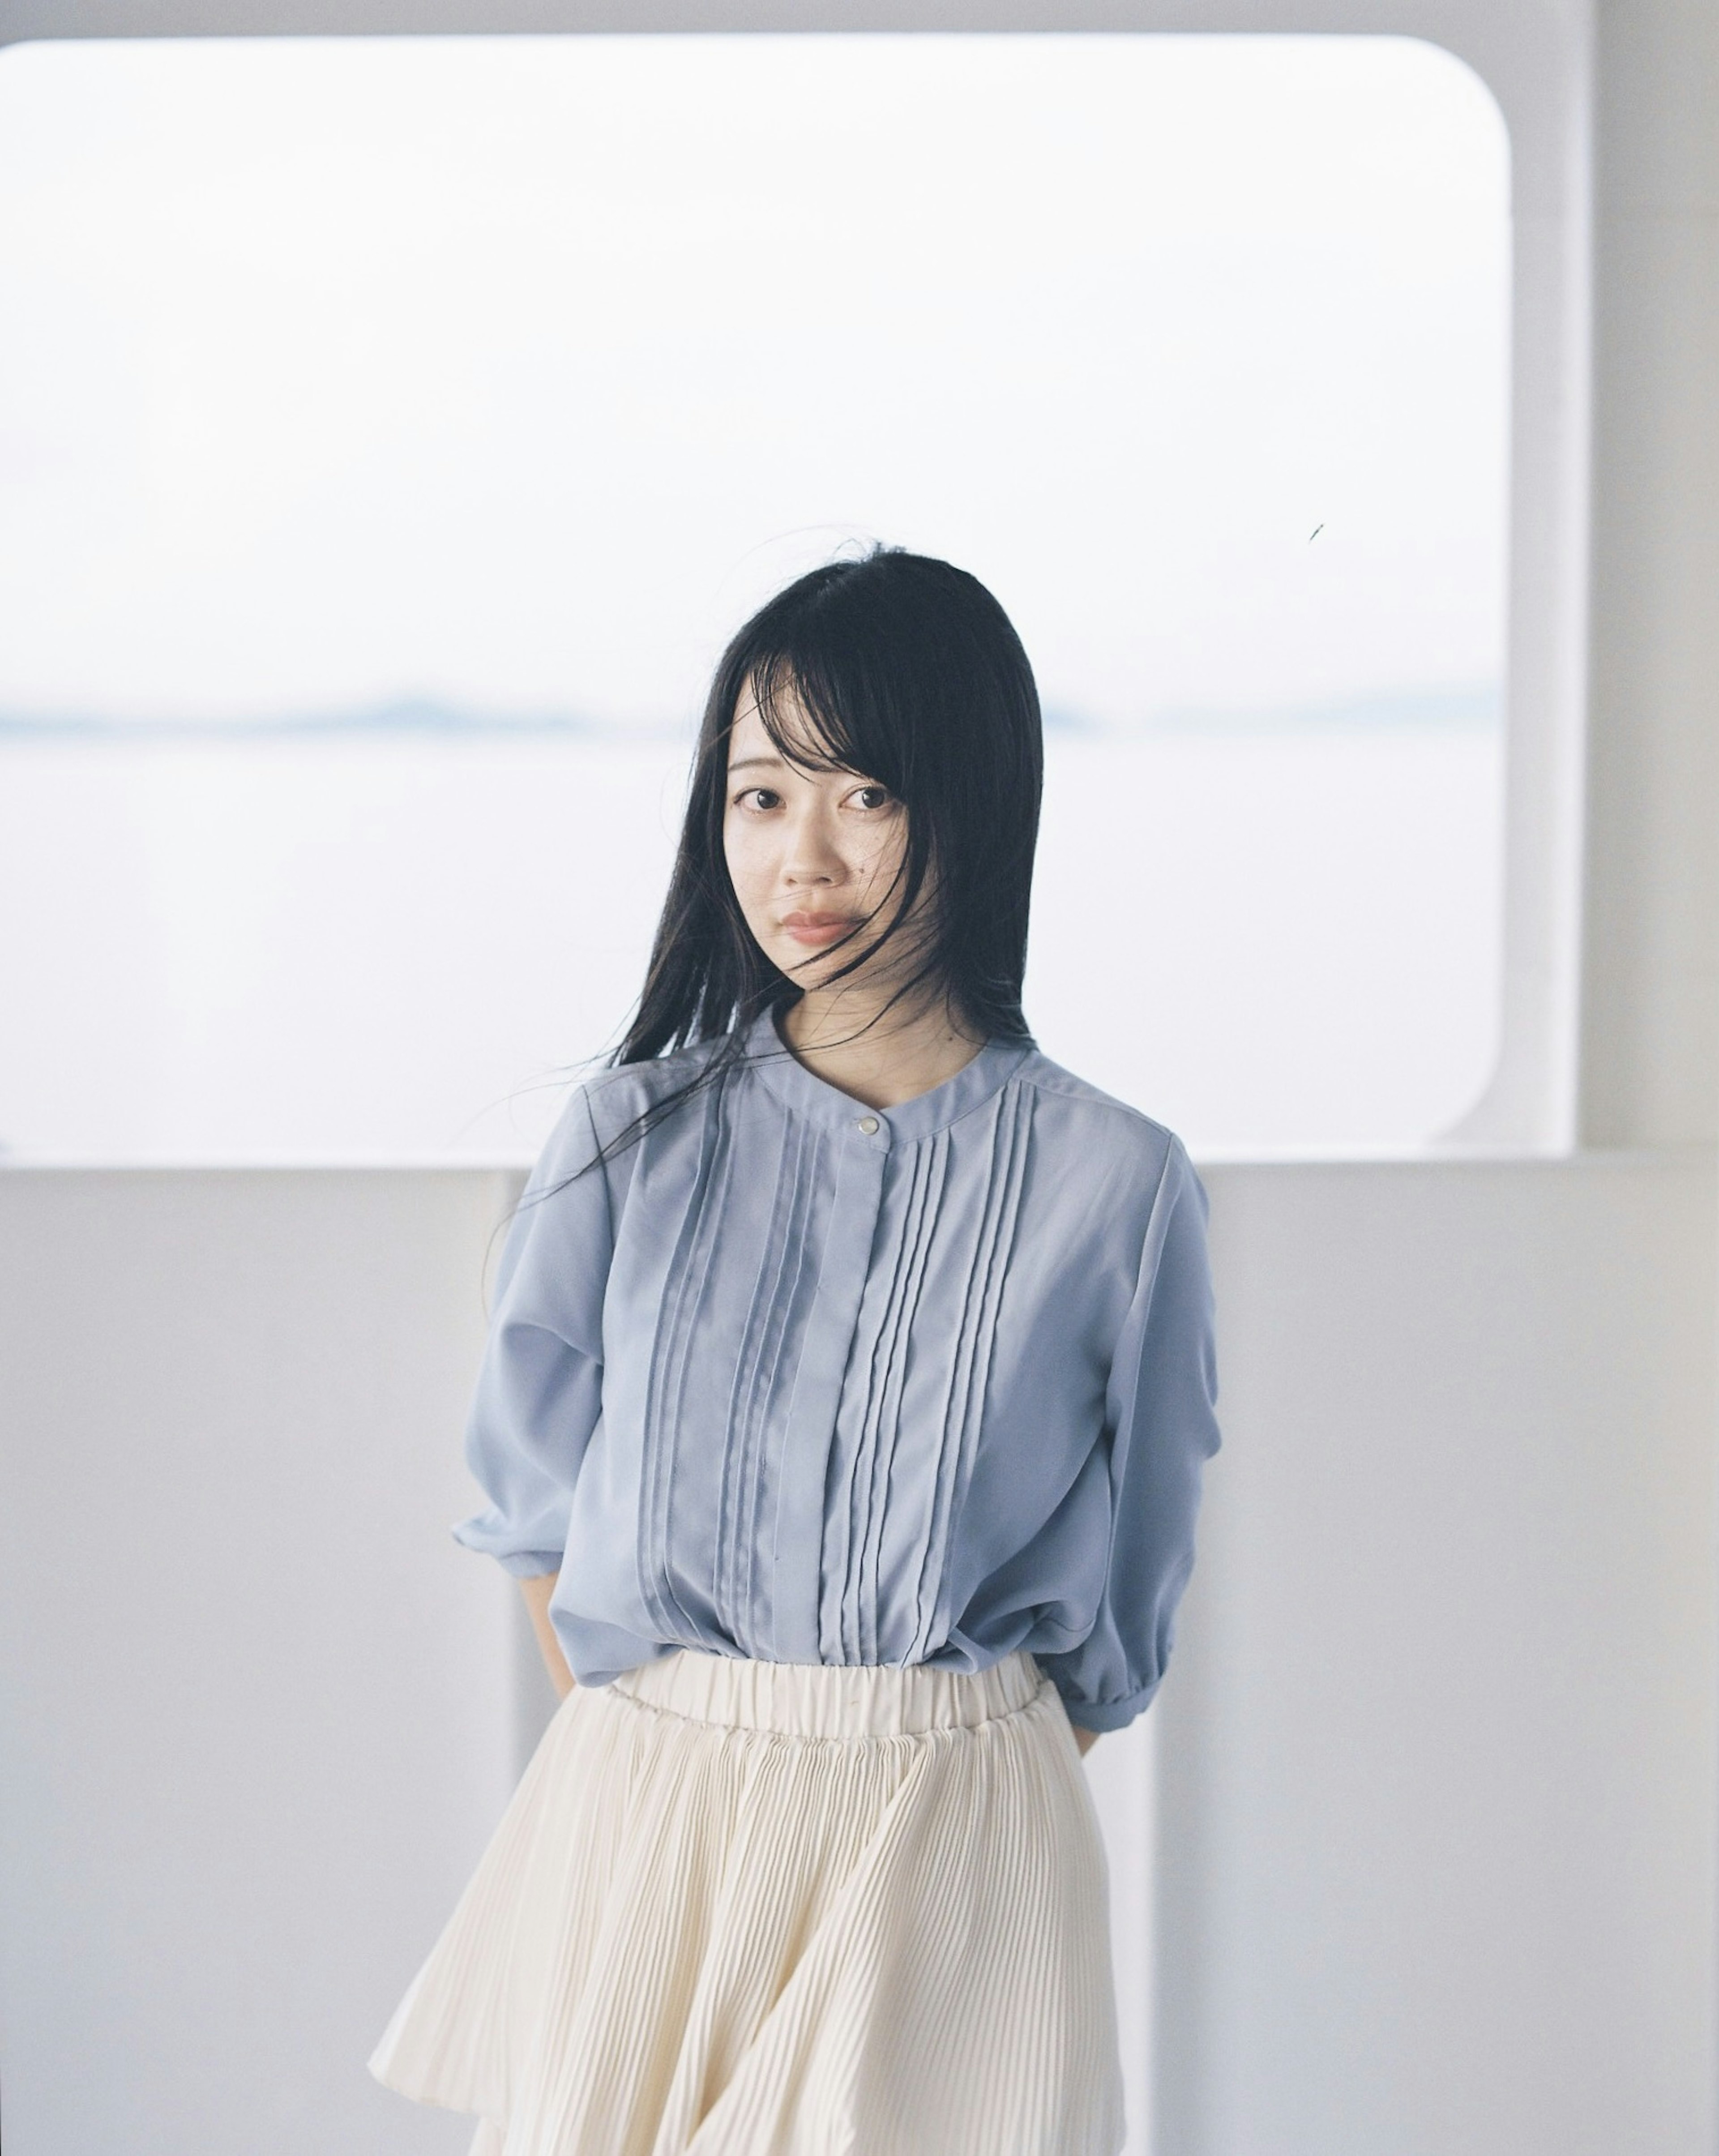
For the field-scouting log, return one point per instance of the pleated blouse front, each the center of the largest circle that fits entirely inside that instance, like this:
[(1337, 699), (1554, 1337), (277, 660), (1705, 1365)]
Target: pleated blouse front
[(794, 1379)]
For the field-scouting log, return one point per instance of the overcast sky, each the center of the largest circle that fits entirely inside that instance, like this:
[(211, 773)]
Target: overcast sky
[(513, 372)]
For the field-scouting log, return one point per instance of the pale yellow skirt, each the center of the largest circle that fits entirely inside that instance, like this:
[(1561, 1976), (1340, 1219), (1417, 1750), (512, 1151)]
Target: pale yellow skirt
[(741, 1909)]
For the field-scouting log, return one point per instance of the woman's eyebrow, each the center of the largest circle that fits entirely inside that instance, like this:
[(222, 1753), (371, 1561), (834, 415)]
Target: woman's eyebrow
[(746, 762)]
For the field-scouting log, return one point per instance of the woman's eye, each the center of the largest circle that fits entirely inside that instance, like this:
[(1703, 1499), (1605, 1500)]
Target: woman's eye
[(873, 796), (757, 797)]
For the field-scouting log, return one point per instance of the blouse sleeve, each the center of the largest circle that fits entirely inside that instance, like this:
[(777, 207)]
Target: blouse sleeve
[(539, 1391), (1160, 1402)]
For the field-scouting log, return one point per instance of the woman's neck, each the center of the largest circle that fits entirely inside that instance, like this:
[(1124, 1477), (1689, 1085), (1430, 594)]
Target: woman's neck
[(878, 1057)]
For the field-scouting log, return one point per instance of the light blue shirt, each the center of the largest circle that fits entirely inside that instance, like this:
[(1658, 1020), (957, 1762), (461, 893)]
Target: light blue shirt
[(793, 1379)]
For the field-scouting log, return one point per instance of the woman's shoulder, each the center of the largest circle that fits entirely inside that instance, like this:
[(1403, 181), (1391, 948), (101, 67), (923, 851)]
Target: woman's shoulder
[(618, 1094), (602, 1106), (1098, 1129)]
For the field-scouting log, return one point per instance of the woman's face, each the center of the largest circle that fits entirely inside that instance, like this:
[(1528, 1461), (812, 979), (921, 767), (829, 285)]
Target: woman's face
[(812, 854)]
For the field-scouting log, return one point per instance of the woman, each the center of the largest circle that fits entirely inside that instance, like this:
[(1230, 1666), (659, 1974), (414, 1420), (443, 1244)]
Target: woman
[(843, 1416)]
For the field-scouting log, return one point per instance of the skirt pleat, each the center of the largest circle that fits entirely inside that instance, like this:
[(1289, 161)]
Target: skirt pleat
[(739, 1908)]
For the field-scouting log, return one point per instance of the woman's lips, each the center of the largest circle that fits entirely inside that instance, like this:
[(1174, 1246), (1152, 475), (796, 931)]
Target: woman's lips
[(817, 929)]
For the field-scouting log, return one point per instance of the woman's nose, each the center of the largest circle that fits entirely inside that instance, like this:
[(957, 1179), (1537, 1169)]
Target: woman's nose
[(811, 857)]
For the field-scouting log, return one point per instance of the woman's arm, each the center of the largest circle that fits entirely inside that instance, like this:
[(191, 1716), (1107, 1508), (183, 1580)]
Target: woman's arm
[(1085, 1738), (1160, 1405), (537, 1590)]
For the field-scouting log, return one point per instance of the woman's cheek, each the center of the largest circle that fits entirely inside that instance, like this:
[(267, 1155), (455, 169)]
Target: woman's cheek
[(750, 875)]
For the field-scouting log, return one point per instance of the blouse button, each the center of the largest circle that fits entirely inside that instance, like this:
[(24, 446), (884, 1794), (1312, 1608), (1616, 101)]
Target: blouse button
[(868, 1124)]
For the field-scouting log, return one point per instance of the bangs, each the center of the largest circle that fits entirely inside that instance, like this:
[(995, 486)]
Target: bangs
[(816, 723)]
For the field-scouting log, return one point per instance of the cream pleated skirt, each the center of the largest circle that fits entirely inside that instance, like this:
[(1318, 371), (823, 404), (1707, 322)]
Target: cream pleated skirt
[(741, 1909)]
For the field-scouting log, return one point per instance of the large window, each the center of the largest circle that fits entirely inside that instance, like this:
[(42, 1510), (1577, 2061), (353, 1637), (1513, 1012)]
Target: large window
[(390, 432)]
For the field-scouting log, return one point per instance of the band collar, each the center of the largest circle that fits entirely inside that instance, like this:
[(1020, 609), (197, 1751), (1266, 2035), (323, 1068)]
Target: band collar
[(787, 1078)]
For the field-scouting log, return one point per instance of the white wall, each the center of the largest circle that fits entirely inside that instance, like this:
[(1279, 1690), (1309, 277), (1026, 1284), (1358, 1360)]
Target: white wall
[(1438, 1750), (255, 1717), (1438, 1753)]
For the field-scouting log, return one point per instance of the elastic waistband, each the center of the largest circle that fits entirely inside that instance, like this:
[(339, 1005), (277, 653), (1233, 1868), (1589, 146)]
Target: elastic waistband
[(832, 1699)]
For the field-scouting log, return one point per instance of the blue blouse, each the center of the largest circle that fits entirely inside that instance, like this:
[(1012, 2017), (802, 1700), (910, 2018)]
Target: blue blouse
[(793, 1379)]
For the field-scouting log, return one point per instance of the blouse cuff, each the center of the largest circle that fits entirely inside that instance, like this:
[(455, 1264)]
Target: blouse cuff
[(482, 1534), (531, 1564), (1108, 1714)]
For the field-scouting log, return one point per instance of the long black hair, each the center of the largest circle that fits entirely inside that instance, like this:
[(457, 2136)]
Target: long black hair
[(903, 669)]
